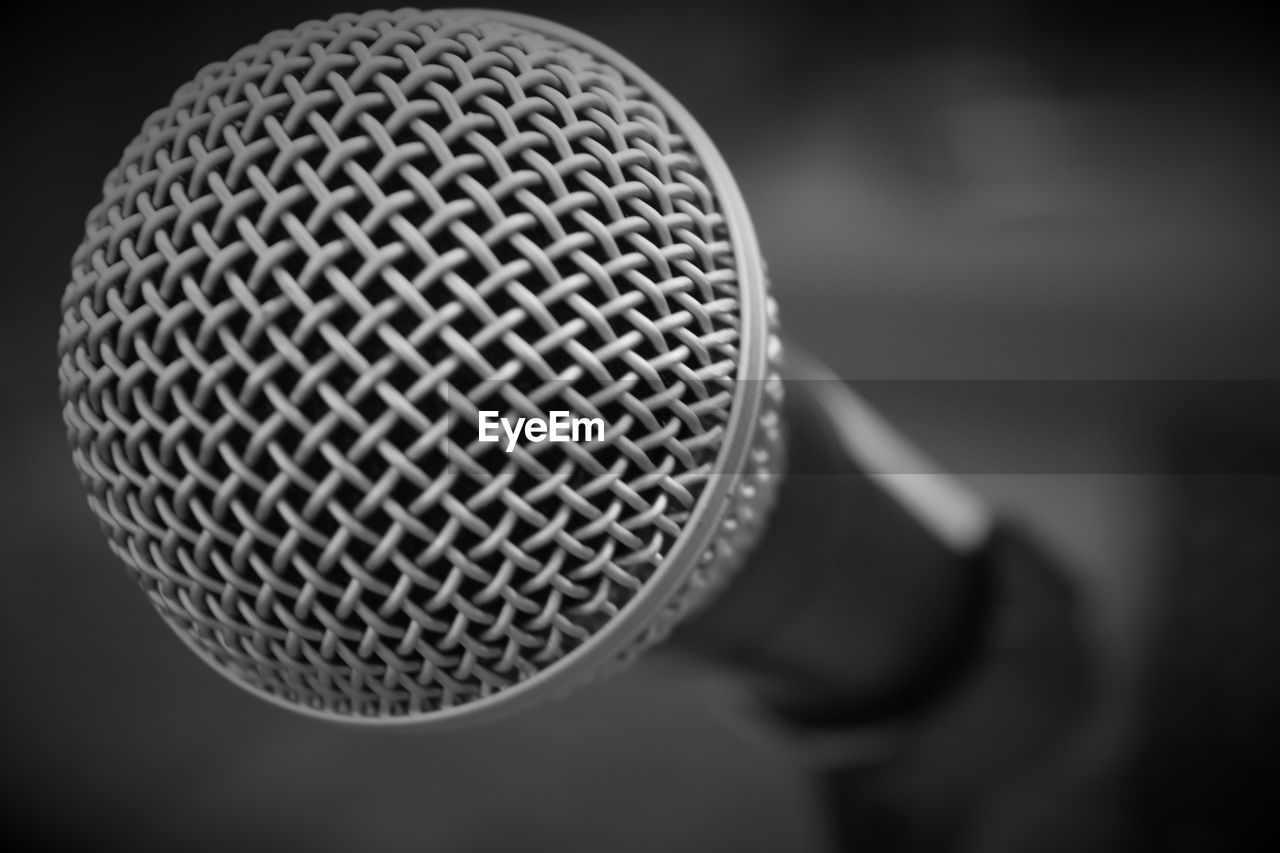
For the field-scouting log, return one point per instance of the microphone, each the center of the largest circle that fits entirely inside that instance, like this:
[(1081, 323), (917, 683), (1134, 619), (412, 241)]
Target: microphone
[(340, 305)]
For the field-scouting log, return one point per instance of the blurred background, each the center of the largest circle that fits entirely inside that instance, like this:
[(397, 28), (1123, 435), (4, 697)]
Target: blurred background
[(951, 196)]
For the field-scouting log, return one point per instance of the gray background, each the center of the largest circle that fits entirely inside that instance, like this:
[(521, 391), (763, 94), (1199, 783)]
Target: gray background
[(957, 190)]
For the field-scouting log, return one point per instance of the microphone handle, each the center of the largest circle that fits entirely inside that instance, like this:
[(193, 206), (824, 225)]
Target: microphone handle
[(877, 580)]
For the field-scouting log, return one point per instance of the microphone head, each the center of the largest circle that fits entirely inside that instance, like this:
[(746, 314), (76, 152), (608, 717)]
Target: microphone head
[(310, 275)]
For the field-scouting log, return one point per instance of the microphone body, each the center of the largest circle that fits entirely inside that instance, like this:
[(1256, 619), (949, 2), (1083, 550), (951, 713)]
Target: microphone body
[(857, 601)]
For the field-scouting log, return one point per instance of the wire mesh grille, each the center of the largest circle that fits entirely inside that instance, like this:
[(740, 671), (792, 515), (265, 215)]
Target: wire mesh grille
[(307, 275)]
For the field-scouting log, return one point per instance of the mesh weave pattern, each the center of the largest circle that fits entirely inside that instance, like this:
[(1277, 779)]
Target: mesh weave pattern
[(306, 276)]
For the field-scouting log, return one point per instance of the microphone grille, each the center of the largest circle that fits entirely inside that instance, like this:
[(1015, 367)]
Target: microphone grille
[(310, 273)]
